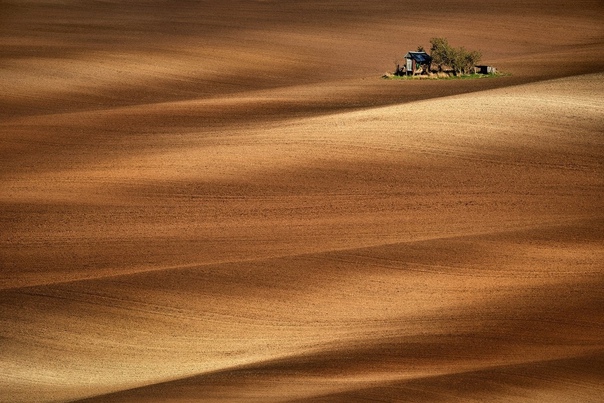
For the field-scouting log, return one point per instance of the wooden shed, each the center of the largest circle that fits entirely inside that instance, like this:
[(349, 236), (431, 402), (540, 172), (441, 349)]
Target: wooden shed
[(485, 69), (417, 63)]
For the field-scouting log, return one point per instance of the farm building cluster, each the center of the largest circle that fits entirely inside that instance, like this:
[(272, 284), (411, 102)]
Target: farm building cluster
[(417, 63)]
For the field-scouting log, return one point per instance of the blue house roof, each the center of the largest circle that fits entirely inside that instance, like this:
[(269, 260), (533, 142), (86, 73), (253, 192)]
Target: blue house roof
[(419, 57)]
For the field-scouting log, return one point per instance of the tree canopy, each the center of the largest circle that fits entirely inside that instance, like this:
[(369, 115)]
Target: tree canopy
[(460, 60)]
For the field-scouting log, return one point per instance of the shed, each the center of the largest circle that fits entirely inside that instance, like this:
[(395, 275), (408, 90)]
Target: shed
[(417, 62), (485, 69)]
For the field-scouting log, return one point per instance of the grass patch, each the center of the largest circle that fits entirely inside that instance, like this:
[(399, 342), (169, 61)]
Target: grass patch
[(443, 76)]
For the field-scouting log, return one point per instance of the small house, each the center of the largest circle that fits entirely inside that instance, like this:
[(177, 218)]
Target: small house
[(417, 63)]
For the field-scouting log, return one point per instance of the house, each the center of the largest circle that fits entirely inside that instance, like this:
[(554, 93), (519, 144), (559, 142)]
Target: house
[(416, 63)]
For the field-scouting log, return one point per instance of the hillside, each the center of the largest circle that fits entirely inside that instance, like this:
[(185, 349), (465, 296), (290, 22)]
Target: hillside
[(224, 202)]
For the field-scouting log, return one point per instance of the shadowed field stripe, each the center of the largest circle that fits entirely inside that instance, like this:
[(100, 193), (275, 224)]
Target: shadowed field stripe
[(363, 252)]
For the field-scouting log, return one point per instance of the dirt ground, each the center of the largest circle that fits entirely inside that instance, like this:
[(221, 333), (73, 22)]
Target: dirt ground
[(224, 202)]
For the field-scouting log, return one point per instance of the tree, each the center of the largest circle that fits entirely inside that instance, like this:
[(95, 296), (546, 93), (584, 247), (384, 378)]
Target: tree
[(441, 52), (471, 59), (460, 60)]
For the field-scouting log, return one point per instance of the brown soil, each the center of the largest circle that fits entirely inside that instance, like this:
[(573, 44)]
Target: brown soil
[(222, 201)]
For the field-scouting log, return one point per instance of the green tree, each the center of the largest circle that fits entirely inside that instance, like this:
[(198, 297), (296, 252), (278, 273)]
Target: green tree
[(471, 59), (441, 52), (457, 60), (460, 60)]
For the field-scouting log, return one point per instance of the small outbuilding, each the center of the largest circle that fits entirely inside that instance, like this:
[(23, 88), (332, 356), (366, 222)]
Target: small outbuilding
[(485, 69), (417, 63)]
